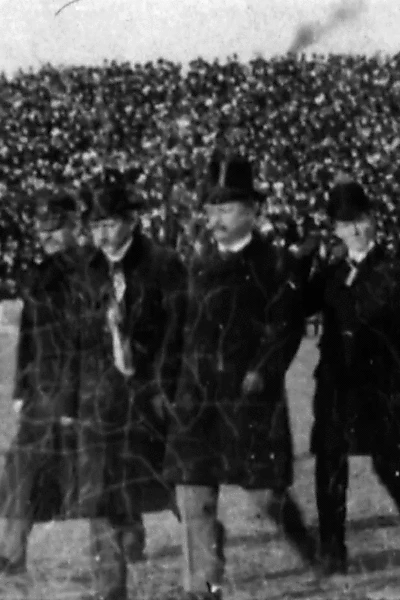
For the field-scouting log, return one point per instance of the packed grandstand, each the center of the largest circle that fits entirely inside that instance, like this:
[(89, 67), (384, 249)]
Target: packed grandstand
[(302, 121)]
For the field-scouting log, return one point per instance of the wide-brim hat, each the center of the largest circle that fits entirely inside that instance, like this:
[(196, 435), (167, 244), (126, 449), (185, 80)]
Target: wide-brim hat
[(348, 202), (231, 180), (116, 198)]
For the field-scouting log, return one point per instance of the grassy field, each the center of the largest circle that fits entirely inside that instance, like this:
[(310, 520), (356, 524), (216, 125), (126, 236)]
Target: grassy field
[(260, 565)]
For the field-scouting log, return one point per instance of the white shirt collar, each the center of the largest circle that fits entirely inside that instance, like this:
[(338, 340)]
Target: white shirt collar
[(119, 255), (236, 246), (358, 257)]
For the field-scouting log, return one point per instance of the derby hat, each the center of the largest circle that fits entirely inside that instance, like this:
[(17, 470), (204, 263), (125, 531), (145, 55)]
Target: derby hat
[(348, 202), (116, 198), (55, 208), (231, 180)]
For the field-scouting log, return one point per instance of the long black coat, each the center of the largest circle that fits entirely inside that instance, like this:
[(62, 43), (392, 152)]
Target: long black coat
[(47, 379), (46, 360), (357, 397), (113, 449), (122, 440), (244, 315)]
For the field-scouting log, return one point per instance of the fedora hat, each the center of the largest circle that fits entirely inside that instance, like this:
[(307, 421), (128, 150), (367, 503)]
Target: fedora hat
[(231, 180)]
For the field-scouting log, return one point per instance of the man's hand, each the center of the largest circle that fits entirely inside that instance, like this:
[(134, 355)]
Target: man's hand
[(17, 405), (253, 383)]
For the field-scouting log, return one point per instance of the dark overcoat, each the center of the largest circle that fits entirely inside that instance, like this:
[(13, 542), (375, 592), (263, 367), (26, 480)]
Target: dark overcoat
[(357, 397), (46, 380), (112, 451), (244, 314), (121, 436)]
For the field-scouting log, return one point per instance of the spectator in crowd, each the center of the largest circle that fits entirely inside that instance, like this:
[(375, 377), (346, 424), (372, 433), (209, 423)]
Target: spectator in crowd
[(300, 121)]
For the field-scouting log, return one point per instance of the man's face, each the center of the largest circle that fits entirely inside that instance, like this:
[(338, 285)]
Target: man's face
[(230, 221), (52, 237), (111, 234), (356, 235)]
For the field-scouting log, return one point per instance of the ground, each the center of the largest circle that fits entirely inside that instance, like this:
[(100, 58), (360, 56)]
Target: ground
[(260, 565)]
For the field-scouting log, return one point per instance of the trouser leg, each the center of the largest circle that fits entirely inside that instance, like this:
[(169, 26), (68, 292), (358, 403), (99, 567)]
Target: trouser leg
[(283, 510), (21, 467), (16, 510), (331, 479), (125, 498), (202, 537), (387, 467), (109, 568), (134, 540)]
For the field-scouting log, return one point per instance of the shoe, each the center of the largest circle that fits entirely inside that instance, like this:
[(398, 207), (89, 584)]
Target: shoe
[(217, 595), (10, 568), (332, 561), (134, 543)]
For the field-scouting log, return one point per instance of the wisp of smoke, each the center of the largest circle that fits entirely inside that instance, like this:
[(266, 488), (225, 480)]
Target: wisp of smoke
[(312, 32)]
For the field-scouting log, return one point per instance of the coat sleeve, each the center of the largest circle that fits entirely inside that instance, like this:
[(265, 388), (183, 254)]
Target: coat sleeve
[(284, 318), (24, 355), (169, 358)]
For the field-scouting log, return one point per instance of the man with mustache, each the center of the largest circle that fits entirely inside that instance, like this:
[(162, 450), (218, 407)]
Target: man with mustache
[(131, 330), (230, 418)]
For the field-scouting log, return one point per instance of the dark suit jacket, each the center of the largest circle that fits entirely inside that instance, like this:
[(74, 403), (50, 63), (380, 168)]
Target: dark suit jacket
[(115, 446), (245, 314), (47, 351), (123, 442), (357, 398)]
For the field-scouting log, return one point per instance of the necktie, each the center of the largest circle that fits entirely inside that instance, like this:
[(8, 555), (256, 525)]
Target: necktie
[(117, 314), (353, 270)]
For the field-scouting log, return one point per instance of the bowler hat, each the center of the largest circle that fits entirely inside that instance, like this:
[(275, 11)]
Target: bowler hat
[(115, 198), (348, 202), (231, 180), (55, 207)]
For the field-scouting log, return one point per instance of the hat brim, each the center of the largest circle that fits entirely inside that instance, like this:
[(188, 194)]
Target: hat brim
[(225, 195)]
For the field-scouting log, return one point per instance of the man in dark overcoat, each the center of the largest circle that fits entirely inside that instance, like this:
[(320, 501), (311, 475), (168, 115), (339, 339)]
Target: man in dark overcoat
[(46, 383), (131, 336), (230, 417), (357, 396)]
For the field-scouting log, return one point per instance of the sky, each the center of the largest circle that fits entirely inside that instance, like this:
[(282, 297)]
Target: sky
[(89, 31)]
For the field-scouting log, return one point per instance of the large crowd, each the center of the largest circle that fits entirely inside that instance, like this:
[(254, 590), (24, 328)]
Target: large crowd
[(300, 120)]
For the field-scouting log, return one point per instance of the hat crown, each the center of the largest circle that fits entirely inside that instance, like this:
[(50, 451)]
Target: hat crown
[(115, 198), (348, 202), (230, 179), (111, 201), (232, 172), (53, 203)]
